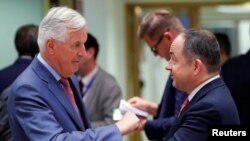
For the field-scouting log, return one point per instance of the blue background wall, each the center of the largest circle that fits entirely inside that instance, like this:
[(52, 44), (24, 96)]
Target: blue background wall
[(15, 13)]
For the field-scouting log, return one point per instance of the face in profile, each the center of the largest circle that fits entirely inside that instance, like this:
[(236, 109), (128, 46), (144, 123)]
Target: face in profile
[(181, 70), (161, 45), (85, 63), (70, 52)]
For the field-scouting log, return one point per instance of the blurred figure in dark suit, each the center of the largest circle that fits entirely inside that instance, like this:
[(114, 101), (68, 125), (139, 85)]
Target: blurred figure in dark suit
[(101, 93), (235, 73), (27, 47), (225, 46)]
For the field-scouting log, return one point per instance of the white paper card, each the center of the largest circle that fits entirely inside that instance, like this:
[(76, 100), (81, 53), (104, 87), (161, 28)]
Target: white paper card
[(126, 107)]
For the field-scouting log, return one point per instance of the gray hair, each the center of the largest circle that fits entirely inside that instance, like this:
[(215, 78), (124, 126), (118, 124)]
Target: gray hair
[(158, 21), (202, 44), (56, 24)]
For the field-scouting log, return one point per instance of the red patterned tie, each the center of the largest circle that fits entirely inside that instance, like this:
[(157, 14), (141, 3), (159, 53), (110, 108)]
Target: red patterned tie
[(69, 92), (185, 103)]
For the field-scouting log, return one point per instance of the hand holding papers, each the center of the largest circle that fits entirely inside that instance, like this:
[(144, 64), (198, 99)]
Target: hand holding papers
[(126, 107)]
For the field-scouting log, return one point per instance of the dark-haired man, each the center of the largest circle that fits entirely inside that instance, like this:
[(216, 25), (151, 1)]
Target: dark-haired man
[(195, 66), (101, 92), (27, 47)]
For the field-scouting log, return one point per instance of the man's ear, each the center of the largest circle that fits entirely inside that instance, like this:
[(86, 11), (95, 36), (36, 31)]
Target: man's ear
[(50, 45), (91, 52), (169, 36), (197, 66)]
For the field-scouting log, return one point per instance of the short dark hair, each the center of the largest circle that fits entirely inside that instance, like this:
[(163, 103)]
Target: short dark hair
[(224, 42), (92, 43), (202, 44), (26, 40)]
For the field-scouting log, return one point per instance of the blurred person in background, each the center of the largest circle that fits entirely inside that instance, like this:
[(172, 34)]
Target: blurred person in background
[(27, 48), (235, 73), (99, 89), (225, 46)]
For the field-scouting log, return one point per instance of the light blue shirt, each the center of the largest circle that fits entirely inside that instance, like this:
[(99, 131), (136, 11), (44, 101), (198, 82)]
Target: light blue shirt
[(47, 66)]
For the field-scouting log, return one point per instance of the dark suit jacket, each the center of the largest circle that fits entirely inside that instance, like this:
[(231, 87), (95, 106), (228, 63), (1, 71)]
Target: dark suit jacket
[(10, 73), (171, 102), (5, 132), (39, 110), (102, 98), (235, 73), (212, 105)]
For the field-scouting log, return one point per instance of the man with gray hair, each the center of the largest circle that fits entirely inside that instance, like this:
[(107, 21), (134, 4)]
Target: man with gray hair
[(44, 102)]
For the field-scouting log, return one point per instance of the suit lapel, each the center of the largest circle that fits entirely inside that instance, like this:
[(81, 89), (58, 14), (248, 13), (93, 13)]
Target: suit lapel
[(201, 93), (57, 90)]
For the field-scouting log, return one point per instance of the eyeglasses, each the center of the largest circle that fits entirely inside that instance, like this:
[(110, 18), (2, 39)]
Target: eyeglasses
[(154, 48)]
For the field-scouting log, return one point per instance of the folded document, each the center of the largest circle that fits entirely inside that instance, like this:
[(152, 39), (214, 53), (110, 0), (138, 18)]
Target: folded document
[(126, 107)]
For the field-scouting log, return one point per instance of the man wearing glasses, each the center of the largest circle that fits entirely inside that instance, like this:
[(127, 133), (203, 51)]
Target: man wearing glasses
[(159, 28)]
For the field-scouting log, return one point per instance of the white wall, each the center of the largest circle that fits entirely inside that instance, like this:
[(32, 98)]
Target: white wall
[(244, 36), (239, 23), (15, 13), (105, 20)]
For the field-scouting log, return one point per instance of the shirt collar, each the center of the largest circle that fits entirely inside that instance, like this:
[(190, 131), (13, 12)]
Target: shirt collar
[(85, 80), (46, 65), (193, 93)]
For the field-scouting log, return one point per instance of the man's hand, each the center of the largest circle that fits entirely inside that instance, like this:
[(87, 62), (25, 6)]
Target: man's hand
[(129, 123), (144, 105)]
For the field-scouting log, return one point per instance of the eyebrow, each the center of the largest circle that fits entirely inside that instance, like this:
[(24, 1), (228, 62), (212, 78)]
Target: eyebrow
[(172, 55)]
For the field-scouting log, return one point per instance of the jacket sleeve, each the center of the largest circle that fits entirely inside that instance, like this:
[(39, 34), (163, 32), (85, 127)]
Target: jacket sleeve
[(5, 132), (156, 129), (38, 121)]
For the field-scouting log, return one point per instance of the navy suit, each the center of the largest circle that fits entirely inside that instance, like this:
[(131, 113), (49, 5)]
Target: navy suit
[(212, 105), (170, 104), (235, 73), (39, 110), (10, 73)]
